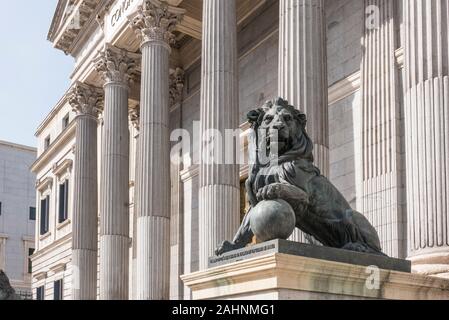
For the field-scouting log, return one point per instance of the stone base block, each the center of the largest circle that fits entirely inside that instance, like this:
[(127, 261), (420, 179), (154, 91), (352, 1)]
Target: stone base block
[(278, 276)]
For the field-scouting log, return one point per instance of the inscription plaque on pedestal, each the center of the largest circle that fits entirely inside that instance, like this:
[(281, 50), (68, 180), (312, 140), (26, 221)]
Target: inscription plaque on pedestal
[(311, 251)]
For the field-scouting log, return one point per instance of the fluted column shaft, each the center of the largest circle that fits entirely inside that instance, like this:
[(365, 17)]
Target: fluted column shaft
[(154, 24), (303, 72), (380, 164), (85, 101), (134, 116), (427, 129), (116, 67), (219, 183), (303, 69)]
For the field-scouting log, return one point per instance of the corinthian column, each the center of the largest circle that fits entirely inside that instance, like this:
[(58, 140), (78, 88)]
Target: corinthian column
[(303, 69), (85, 101), (427, 133), (380, 165), (134, 118), (219, 183), (116, 67), (154, 24), (303, 72)]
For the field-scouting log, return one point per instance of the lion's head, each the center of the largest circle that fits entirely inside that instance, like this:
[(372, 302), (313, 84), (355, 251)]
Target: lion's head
[(280, 124)]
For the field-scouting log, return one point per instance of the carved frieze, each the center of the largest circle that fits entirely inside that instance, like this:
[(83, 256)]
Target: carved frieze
[(177, 77), (134, 116)]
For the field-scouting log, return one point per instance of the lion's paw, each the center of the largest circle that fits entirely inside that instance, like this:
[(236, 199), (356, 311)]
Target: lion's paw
[(357, 247), (270, 192), (225, 247)]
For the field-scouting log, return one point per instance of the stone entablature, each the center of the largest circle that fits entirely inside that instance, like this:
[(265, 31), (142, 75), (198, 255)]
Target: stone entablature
[(72, 16)]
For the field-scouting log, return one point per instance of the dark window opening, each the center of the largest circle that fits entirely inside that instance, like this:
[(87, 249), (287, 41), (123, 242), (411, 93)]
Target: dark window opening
[(32, 213), (47, 143), (63, 214), (45, 215), (40, 293), (65, 122), (57, 293), (30, 265)]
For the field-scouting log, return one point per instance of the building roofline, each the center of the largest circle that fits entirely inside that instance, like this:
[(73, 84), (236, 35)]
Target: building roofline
[(17, 146), (56, 19), (52, 113)]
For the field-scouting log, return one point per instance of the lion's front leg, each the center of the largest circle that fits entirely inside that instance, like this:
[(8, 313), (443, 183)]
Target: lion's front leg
[(242, 238), (295, 196)]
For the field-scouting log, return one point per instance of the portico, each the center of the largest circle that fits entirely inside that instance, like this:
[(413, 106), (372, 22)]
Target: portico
[(146, 67)]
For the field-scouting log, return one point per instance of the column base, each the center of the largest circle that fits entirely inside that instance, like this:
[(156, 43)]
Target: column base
[(432, 264), (114, 267), (281, 276)]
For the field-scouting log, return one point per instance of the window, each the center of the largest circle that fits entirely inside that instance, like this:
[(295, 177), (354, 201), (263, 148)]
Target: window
[(57, 291), (0, 208), (65, 122), (30, 266), (47, 143), (32, 213), (63, 214), (45, 215), (40, 293)]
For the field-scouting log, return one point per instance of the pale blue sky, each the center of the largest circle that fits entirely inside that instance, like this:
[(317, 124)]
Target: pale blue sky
[(34, 75)]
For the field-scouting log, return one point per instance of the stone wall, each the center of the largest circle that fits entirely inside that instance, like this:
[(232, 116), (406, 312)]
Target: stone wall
[(17, 195), (345, 20), (341, 140)]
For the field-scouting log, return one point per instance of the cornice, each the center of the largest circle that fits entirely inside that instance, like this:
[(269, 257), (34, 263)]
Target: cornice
[(59, 143), (344, 87), (67, 239), (61, 103), (58, 267), (64, 166), (40, 275), (17, 146), (83, 13), (44, 184), (95, 22), (350, 84), (57, 17)]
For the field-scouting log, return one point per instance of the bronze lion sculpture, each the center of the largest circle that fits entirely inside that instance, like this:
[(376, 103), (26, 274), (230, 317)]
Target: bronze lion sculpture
[(320, 209)]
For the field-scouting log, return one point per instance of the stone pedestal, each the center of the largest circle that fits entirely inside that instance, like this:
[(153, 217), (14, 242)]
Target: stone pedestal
[(273, 275)]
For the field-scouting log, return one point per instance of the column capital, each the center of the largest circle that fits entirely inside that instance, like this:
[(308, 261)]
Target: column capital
[(155, 21), (177, 77), (117, 66), (86, 100)]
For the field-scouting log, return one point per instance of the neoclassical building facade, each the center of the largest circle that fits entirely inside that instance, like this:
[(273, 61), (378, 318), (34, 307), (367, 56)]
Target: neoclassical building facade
[(119, 219)]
